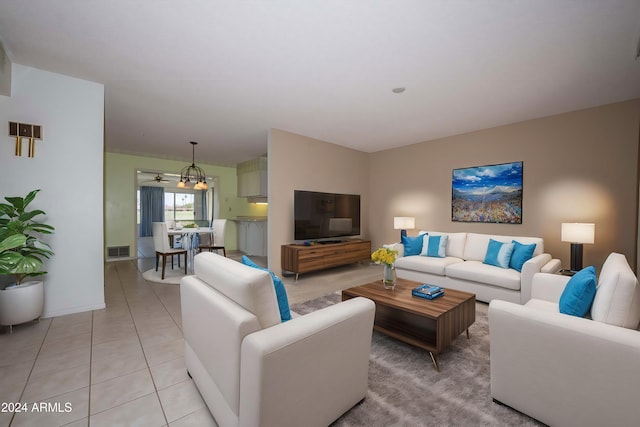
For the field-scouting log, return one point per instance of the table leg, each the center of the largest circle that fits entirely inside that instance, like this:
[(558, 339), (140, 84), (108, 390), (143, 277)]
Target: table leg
[(467, 333), (435, 362)]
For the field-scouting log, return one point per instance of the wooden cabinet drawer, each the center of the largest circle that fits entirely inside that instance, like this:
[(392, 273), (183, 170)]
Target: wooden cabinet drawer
[(304, 259)]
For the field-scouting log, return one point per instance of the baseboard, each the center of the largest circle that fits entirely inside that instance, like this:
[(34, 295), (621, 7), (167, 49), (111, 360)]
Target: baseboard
[(73, 310)]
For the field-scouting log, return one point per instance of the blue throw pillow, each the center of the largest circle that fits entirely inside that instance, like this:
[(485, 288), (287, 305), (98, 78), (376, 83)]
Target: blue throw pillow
[(412, 245), (435, 246), (498, 253), (281, 292), (521, 254), (578, 295)]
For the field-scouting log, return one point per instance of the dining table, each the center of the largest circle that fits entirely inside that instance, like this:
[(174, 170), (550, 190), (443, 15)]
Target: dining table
[(190, 239)]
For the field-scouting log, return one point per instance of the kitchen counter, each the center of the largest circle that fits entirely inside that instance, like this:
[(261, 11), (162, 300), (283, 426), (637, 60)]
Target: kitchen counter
[(249, 218)]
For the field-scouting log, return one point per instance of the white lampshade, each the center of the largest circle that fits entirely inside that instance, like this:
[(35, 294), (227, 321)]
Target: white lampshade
[(404, 223), (576, 232)]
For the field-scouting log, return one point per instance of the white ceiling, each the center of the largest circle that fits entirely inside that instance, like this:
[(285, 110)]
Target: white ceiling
[(223, 72)]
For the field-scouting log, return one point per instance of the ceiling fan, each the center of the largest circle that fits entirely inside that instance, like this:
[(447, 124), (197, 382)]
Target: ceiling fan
[(158, 179)]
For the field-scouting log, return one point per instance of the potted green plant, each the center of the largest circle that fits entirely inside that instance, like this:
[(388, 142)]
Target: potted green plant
[(22, 255)]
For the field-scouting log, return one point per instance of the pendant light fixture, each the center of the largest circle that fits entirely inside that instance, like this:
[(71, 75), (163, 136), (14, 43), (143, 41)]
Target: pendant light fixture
[(193, 174)]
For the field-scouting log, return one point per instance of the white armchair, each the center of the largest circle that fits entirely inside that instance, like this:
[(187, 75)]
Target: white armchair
[(253, 370), (565, 370)]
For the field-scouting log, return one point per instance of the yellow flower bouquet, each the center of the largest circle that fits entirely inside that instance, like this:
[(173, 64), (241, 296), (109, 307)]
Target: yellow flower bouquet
[(384, 256)]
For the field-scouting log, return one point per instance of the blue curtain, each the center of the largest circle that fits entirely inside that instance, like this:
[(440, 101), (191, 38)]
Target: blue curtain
[(151, 208), (213, 208), (204, 205)]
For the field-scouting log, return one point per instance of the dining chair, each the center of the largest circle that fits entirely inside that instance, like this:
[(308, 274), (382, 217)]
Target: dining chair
[(163, 248), (219, 226)]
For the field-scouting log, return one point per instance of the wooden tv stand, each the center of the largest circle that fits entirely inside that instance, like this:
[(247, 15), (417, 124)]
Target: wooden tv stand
[(304, 259)]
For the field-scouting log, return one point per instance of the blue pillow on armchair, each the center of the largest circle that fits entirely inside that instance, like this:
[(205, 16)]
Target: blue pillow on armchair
[(579, 293), (281, 292), (412, 245)]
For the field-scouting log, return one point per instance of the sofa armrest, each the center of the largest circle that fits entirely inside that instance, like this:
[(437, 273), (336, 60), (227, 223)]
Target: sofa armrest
[(396, 246), (548, 287), (563, 370), (318, 361), (529, 268), (552, 266)]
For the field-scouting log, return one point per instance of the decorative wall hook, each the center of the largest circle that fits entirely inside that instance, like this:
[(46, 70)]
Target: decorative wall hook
[(24, 130)]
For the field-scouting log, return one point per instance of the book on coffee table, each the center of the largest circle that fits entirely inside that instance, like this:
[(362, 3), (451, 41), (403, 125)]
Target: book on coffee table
[(427, 291)]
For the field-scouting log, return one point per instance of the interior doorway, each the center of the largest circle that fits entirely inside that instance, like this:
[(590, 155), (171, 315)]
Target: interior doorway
[(159, 199)]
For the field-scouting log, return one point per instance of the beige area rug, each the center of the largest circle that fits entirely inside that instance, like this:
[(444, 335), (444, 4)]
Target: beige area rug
[(171, 277)]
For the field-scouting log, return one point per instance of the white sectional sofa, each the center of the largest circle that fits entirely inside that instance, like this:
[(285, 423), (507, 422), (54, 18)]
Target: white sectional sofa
[(462, 268)]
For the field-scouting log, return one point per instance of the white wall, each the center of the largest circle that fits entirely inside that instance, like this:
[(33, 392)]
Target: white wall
[(68, 168), (5, 72)]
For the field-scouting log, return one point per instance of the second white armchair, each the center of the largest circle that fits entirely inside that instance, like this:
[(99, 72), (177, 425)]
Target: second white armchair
[(565, 370)]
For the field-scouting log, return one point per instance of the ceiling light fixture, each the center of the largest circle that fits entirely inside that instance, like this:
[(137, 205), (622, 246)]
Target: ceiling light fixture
[(193, 173), (398, 89)]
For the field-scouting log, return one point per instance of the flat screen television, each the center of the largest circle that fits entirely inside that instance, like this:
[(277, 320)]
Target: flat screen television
[(325, 216)]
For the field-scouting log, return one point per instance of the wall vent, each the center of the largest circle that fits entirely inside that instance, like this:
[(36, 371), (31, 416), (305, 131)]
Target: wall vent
[(118, 252)]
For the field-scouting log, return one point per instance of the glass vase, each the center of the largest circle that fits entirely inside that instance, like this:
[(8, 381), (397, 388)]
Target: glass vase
[(389, 277)]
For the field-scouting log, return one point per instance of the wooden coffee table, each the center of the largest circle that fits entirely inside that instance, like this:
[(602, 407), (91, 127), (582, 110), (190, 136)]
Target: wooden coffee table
[(428, 324)]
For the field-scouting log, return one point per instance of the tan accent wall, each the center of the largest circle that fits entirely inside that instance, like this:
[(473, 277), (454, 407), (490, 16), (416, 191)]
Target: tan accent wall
[(297, 162), (578, 167)]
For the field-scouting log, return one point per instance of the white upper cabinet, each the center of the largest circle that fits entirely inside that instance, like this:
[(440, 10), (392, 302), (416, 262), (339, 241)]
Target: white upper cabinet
[(252, 178)]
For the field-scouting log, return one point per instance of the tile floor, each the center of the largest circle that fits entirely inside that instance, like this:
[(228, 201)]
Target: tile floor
[(122, 365), (119, 366)]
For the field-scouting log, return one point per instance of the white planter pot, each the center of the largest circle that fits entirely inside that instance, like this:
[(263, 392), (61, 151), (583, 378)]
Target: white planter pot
[(22, 303)]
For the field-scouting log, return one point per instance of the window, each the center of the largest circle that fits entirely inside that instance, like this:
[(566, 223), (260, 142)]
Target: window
[(179, 207)]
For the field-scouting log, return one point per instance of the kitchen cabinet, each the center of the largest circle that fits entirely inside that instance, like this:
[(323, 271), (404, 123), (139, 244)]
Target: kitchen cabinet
[(252, 236), (252, 178)]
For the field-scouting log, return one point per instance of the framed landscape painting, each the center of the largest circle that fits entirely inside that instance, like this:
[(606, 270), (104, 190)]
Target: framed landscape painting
[(490, 193)]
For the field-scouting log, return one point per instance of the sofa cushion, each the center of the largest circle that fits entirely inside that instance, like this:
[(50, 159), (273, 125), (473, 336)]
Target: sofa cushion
[(398, 247), (578, 294), (248, 287), (476, 244), (431, 265), (412, 244), (281, 292), (476, 271), (434, 246), (455, 242), (539, 242), (476, 247), (498, 253), (617, 300), (521, 254)]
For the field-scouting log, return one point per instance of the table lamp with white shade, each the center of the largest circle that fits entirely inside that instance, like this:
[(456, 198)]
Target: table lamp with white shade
[(404, 223), (577, 234)]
